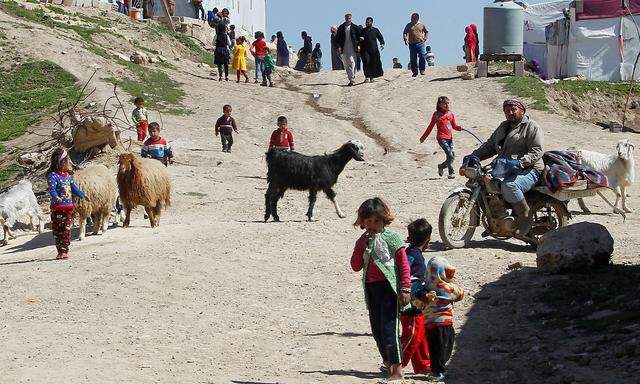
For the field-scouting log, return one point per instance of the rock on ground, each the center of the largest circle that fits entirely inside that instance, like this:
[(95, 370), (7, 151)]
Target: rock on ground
[(575, 247)]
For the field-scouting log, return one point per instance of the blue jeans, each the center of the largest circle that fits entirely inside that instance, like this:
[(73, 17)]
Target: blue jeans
[(449, 151), (417, 55), (259, 61), (514, 187)]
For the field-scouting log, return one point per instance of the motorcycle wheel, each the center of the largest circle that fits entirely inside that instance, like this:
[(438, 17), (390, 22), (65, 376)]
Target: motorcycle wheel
[(547, 215), (456, 231)]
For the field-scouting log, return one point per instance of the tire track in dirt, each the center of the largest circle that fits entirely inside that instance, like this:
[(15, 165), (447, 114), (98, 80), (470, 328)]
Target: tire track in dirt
[(357, 122)]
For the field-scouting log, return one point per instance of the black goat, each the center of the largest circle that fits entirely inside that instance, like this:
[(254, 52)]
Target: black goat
[(313, 173)]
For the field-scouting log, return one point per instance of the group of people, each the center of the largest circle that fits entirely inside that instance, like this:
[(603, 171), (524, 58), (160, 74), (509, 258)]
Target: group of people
[(229, 49), (355, 43), (399, 286)]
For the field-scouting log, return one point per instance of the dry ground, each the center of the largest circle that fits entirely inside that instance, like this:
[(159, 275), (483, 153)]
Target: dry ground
[(216, 296)]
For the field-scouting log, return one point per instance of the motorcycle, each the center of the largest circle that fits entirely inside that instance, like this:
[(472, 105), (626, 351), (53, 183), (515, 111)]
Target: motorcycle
[(480, 202)]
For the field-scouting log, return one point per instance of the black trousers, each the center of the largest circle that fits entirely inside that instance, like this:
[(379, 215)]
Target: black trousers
[(385, 320), (227, 140), (224, 67), (440, 340)]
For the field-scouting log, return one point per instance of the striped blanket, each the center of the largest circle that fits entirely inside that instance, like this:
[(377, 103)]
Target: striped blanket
[(563, 169)]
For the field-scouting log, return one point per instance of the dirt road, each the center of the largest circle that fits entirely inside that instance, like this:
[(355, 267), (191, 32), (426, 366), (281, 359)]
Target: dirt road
[(216, 296)]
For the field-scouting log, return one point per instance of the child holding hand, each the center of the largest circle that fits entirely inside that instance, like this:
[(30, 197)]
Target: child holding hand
[(438, 295), (380, 255)]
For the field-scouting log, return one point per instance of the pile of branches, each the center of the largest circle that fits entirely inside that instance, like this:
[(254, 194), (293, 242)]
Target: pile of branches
[(69, 119)]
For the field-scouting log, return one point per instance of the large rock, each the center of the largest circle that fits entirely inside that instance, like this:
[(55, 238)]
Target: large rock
[(575, 248)]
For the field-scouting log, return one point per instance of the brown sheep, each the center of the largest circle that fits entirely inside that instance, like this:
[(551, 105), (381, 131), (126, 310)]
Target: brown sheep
[(98, 183), (143, 182)]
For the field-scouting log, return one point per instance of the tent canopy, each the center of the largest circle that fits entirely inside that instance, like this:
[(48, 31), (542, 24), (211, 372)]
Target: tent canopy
[(604, 9)]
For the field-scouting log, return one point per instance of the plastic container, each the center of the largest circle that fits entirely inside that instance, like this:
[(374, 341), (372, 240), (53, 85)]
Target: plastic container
[(503, 28), (135, 13)]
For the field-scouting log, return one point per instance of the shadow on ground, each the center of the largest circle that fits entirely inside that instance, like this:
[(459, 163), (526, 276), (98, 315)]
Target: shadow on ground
[(528, 327)]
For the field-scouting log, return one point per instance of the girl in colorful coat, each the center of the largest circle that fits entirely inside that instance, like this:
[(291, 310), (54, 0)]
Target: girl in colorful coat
[(445, 121), (61, 189), (436, 299), (381, 256)]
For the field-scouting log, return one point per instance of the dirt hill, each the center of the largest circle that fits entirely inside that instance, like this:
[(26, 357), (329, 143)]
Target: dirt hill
[(217, 296)]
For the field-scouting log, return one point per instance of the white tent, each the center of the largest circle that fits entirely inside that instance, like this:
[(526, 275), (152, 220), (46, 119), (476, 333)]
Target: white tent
[(597, 43), (536, 19)]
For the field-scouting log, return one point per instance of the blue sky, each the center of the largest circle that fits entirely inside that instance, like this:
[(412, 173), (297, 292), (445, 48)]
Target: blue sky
[(446, 20)]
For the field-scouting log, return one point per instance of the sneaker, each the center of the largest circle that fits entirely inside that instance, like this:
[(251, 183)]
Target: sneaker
[(256, 82), (226, 79), (451, 176), (263, 84), (440, 170), (271, 85), (414, 75), (422, 73), (436, 377)]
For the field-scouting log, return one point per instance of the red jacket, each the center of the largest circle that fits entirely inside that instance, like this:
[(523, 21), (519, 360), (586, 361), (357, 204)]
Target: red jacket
[(445, 121), (282, 138)]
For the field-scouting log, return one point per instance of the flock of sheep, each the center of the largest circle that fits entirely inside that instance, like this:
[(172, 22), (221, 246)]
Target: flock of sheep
[(139, 181), (146, 182)]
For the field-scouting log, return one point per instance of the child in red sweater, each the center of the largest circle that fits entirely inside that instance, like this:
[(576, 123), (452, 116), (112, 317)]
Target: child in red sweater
[(282, 138), (445, 121), (380, 255)]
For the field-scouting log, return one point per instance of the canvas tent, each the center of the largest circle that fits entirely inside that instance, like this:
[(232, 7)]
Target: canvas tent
[(596, 39)]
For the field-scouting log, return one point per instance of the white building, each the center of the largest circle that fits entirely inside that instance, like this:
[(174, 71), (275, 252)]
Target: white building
[(247, 15)]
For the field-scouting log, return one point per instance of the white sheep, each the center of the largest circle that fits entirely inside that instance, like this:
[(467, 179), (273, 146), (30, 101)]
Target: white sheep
[(619, 169), (19, 201), (99, 184)]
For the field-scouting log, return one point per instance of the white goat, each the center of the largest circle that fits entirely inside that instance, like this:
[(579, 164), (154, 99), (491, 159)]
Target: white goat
[(19, 201), (619, 168)]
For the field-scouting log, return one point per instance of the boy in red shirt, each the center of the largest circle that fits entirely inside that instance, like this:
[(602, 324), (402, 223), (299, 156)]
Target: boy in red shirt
[(445, 121), (258, 50), (282, 138)]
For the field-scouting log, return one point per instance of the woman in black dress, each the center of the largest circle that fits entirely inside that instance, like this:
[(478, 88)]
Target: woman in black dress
[(222, 56), (369, 52)]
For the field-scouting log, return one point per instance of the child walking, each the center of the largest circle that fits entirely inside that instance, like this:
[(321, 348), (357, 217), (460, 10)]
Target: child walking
[(438, 295), (268, 65), (156, 147), (140, 118), (225, 127), (240, 59), (61, 190), (381, 256), (445, 121), (414, 340), (282, 138), (258, 50)]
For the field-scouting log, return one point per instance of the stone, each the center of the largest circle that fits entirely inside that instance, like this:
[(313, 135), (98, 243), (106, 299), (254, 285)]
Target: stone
[(161, 58), (139, 58), (467, 76), (514, 266), (576, 247), (633, 105), (463, 68), (31, 159)]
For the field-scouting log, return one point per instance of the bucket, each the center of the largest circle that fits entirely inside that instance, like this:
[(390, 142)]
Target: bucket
[(135, 13)]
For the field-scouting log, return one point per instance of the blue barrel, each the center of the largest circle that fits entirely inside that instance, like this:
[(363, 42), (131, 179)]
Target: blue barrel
[(503, 28)]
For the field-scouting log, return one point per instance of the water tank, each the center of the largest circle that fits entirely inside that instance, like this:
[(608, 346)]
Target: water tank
[(503, 28)]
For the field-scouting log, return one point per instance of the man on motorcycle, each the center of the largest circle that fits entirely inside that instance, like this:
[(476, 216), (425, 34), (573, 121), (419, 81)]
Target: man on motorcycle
[(518, 138)]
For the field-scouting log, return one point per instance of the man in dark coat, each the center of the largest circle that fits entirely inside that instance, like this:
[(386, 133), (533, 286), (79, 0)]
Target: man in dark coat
[(304, 54), (336, 60), (347, 40), (371, 63)]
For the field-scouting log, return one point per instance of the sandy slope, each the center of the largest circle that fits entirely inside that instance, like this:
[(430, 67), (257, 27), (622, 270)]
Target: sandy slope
[(215, 296)]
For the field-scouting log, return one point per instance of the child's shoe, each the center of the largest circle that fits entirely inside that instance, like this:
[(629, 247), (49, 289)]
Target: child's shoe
[(451, 176), (440, 170), (264, 84), (271, 85), (220, 78), (226, 79), (256, 82), (436, 377)]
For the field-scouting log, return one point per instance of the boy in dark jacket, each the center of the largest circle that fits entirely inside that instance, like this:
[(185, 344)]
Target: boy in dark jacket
[(414, 341)]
